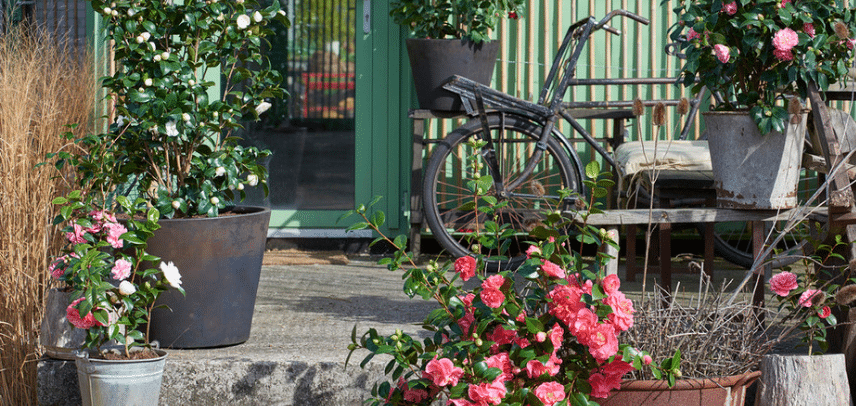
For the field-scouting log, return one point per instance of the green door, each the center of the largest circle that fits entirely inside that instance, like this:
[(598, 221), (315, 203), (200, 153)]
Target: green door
[(331, 140)]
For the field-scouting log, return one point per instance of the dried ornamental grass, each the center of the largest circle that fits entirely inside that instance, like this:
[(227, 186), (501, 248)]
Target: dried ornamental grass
[(43, 87)]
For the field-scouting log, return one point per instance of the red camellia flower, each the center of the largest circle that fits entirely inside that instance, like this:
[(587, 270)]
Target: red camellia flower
[(466, 267), (824, 312), (512, 15)]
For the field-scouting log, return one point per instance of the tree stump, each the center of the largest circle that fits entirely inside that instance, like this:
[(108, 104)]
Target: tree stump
[(793, 380)]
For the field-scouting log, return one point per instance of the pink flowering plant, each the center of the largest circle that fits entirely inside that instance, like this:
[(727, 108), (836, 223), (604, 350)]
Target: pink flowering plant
[(808, 300), (751, 52), (545, 334), (113, 280)]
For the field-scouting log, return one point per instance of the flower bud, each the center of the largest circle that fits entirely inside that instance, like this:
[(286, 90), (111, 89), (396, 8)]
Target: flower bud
[(257, 17), (148, 82), (165, 55), (107, 10), (191, 82), (252, 179), (157, 58), (185, 117), (220, 171), (215, 201), (127, 288), (240, 186), (176, 204)]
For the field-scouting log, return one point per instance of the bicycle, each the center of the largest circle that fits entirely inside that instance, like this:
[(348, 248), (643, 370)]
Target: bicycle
[(529, 159)]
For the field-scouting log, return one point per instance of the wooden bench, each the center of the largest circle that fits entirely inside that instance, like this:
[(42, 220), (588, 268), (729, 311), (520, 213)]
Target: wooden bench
[(665, 218)]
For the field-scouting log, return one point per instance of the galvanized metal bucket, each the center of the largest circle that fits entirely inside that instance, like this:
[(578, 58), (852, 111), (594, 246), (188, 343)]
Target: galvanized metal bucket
[(119, 382), (751, 170)]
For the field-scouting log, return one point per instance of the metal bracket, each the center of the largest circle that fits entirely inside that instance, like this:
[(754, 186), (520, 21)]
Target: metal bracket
[(367, 16)]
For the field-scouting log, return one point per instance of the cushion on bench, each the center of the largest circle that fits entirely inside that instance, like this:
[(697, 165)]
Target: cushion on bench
[(636, 156)]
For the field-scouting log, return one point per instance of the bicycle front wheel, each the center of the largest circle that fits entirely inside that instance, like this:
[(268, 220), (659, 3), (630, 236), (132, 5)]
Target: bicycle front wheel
[(451, 211)]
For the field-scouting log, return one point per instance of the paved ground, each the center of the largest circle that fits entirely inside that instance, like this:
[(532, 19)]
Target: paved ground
[(303, 318)]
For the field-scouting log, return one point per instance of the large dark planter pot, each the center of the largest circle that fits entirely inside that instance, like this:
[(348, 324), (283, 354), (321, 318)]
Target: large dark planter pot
[(220, 261), (726, 391), (434, 61)]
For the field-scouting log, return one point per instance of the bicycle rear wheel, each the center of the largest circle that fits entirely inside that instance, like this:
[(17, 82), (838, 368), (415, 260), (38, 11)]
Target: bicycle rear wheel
[(449, 202)]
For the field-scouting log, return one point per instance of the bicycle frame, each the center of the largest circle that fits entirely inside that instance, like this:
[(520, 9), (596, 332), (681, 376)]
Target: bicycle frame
[(480, 100)]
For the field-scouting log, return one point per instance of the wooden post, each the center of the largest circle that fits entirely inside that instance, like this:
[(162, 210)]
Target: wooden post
[(817, 380)]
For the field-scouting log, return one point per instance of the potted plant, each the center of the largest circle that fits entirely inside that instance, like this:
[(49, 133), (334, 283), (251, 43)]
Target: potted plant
[(548, 334), (451, 38), (171, 145), (754, 54), (113, 284)]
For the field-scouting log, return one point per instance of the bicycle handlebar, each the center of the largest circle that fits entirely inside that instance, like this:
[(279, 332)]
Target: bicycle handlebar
[(602, 24)]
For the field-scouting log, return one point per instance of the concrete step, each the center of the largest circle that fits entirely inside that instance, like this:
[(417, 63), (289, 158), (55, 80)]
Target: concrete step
[(297, 348)]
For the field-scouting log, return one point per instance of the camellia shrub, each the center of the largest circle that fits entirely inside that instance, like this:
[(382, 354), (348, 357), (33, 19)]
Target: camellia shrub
[(545, 334)]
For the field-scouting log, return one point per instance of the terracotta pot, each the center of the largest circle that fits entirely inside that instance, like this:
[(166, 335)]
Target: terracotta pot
[(726, 391)]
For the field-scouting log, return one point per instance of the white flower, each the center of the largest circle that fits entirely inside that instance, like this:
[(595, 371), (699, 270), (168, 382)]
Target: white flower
[(146, 35), (262, 107), (215, 201), (185, 117), (191, 82), (215, 114), (157, 58), (114, 13), (221, 17), (127, 288), (243, 21), (240, 1), (257, 17), (240, 186), (131, 12), (171, 130), (107, 10), (170, 273), (281, 12), (120, 120), (252, 179), (148, 81), (165, 55), (140, 39), (176, 204), (220, 171)]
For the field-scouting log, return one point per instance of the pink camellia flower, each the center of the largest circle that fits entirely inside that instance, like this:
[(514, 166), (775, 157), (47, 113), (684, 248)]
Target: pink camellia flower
[(466, 267), (783, 283), (442, 372), (808, 28), (811, 297), (487, 393), (493, 298), (73, 316), (493, 282), (824, 312), (103, 216), (622, 311), (785, 39), (76, 236), (121, 269), (556, 337), (535, 368), (602, 342), (114, 234), (57, 267), (502, 362), (692, 34), (461, 402), (564, 301), (553, 270), (611, 284), (730, 8), (582, 325), (532, 250), (601, 385), (617, 369), (550, 393), (783, 3), (722, 53), (783, 56), (501, 336), (647, 360), (541, 337)]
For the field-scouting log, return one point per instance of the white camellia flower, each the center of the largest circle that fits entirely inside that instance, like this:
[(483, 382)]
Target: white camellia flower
[(165, 55), (157, 58), (262, 107), (140, 39), (176, 204), (257, 17), (191, 82), (127, 288), (131, 12), (215, 200), (243, 21), (148, 81), (170, 272), (252, 180), (146, 35), (220, 171), (107, 10), (121, 120), (185, 117), (240, 186), (171, 130)]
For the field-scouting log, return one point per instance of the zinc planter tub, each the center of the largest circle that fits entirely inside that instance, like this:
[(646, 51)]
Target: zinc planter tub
[(220, 261), (106, 382)]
